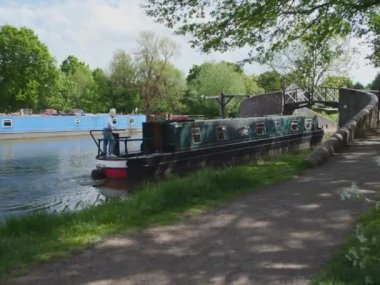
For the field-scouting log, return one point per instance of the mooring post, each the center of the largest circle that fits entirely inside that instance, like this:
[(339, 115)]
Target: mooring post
[(222, 105)]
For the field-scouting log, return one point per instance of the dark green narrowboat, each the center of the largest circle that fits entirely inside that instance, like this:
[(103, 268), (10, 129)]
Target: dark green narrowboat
[(182, 146)]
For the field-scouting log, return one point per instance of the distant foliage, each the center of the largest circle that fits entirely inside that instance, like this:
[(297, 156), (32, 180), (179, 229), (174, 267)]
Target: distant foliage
[(28, 76), (265, 26), (212, 78), (375, 85), (336, 81)]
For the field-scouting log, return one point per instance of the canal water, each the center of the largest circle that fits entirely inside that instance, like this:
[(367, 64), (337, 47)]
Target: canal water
[(51, 175)]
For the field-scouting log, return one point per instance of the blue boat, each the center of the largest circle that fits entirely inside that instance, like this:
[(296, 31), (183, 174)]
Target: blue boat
[(48, 125)]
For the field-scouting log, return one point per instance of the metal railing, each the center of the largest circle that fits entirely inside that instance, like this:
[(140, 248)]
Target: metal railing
[(118, 140), (318, 94)]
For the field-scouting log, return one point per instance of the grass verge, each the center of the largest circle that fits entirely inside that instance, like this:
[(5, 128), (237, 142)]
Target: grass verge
[(40, 237), (358, 261)]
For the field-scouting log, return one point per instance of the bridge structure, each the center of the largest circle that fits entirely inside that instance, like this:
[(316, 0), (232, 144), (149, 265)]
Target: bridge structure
[(291, 99), (299, 98)]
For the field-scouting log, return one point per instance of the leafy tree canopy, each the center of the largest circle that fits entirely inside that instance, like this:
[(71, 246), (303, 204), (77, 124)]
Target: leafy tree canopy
[(266, 25), (27, 71), (71, 64), (375, 85), (337, 81), (153, 57), (210, 79), (270, 81), (374, 24)]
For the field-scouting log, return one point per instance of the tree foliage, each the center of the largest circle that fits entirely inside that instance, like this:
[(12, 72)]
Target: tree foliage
[(28, 75), (153, 57), (270, 81), (78, 89), (374, 24), (210, 79), (123, 78), (173, 88), (375, 84), (337, 81), (268, 25), (103, 89), (307, 61)]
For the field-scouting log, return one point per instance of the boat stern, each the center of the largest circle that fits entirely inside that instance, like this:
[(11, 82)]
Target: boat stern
[(113, 168)]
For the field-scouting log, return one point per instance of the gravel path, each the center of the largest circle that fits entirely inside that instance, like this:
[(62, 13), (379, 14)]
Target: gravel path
[(282, 234)]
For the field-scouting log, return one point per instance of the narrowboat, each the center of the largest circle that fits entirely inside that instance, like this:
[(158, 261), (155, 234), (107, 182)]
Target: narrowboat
[(177, 146)]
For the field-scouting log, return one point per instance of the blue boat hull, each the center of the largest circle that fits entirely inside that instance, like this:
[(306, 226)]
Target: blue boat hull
[(54, 124)]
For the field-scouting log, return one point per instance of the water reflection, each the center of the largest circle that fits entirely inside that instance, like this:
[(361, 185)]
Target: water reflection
[(50, 175)]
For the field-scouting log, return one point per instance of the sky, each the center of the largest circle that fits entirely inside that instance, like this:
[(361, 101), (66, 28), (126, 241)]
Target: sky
[(92, 30)]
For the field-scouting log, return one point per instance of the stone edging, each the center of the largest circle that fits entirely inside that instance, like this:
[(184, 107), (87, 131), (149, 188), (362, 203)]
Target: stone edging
[(355, 127)]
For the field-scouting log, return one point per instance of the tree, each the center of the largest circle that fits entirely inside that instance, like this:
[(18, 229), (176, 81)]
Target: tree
[(173, 88), (210, 79), (85, 98), (337, 81), (251, 85), (153, 57), (374, 24), (358, 85), (103, 90), (270, 81), (71, 64), (375, 85), (308, 61), (78, 78), (123, 76), (267, 26), (28, 75)]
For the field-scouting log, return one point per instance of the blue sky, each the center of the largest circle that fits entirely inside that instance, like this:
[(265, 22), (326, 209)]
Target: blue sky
[(93, 29)]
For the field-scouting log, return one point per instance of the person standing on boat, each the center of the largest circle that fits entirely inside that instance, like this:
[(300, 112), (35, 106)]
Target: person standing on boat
[(108, 138)]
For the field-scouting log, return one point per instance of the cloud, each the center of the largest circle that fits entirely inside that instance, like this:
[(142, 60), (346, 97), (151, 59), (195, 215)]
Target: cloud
[(93, 29)]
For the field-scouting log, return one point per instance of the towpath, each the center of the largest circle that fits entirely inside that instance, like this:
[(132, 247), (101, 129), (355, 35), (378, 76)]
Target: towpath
[(282, 234)]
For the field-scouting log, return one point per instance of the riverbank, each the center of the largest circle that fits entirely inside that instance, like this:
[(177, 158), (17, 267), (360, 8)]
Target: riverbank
[(283, 234), (41, 237)]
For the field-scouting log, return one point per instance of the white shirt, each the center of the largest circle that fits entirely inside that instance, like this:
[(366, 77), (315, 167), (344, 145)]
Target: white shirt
[(109, 123)]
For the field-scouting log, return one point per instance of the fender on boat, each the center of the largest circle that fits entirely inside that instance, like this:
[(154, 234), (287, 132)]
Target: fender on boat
[(98, 173)]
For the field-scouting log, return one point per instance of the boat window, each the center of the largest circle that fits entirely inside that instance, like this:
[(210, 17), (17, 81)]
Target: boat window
[(260, 128), (221, 133), (7, 123), (277, 125), (294, 125), (131, 120), (77, 121), (308, 124), (196, 132), (243, 131)]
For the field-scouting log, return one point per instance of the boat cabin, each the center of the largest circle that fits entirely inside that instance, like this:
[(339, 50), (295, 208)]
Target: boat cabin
[(172, 136)]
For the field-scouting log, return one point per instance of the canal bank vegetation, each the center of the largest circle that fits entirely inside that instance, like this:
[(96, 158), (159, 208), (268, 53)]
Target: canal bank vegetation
[(358, 261), (40, 237)]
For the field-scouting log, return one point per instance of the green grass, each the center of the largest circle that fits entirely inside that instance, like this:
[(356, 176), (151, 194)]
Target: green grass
[(358, 261), (40, 237), (333, 117)]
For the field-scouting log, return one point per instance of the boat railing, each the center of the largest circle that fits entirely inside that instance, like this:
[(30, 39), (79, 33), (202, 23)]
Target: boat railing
[(118, 140)]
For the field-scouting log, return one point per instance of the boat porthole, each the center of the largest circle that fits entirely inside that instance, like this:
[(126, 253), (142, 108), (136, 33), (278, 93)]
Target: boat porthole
[(77, 121), (7, 123), (294, 125)]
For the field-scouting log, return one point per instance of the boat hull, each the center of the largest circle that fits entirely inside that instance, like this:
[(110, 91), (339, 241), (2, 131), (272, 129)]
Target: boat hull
[(110, 168), (18, 127), (162, 164)]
